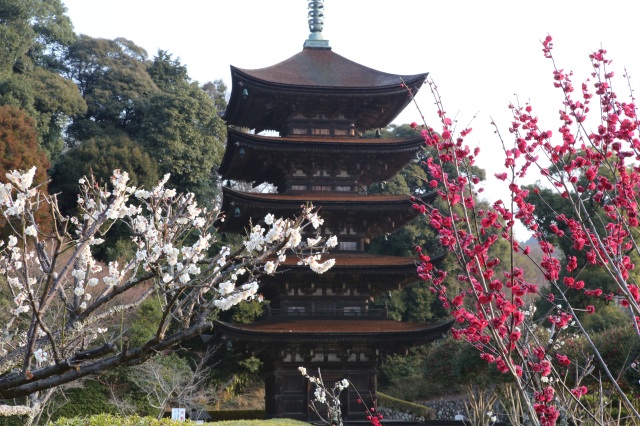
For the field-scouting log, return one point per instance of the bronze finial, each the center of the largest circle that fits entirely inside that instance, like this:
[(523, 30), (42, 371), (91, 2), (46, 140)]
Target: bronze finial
[(316, 23)]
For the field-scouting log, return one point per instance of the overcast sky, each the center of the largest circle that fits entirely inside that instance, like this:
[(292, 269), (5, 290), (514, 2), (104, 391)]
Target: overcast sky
[(481, 54)]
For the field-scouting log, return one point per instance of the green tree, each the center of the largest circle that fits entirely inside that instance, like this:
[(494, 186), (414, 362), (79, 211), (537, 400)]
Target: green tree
[(100, 156), (34, 36), (112, 78), (180, 128), (217, 91), (549, 205)]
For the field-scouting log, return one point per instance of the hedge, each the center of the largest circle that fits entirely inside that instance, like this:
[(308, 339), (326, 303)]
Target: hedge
[(111, 420)]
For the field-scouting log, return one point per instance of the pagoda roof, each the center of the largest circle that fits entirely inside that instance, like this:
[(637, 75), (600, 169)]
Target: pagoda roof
[(351, 329), (270, 159), (323, 68), (310, 83), (326, 199), (334, 207)]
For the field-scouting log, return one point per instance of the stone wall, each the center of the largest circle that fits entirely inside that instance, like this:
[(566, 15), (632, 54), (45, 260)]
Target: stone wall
[(447, 408)]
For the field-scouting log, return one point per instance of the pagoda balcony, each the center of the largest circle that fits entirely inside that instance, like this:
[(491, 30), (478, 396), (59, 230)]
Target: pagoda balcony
[(282, 160), (375, 214)]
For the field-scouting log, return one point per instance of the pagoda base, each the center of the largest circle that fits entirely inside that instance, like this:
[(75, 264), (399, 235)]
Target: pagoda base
[(288, 394)]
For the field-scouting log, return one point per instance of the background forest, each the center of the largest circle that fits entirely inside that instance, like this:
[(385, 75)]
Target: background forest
[(73, 105)]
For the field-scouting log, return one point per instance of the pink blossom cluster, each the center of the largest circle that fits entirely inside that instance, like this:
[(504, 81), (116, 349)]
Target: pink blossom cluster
[(492, 311)]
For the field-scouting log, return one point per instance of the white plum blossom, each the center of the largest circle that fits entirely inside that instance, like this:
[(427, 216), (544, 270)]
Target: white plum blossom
[(332, 241), (172, 252), (268, 219), (22, 181), (114, 274), (40, 356), (319, 268), (320, 395), (226, 287), (343, 384), (294, 237), (312, 242), (78, 274), (270, 268), (315, 220)]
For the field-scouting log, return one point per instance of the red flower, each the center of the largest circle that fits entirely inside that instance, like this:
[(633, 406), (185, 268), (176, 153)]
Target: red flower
[(563, 360), (414, 125)]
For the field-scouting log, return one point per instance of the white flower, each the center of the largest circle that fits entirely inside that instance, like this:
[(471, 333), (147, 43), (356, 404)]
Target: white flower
[(312, 242), (319, 268), (31, 230), (226, 287), (320, 395), (22, 181), (268, 219), (19, 299), (269, 268), (332, 241), (343, 384), (315, 220), (40, 355), (303, 371), (78, 274), (294, 237)]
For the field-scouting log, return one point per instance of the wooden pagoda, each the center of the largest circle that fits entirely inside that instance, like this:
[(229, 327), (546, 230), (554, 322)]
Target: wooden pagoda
[(319, 103)]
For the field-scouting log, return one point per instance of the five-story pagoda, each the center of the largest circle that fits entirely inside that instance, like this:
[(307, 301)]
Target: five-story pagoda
[(320, 103)]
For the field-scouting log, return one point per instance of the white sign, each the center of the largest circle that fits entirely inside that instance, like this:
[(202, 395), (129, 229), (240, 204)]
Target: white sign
[(179, 414)]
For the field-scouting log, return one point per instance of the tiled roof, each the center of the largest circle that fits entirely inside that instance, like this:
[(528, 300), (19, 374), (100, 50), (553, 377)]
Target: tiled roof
[(279, 329), (324, 68)]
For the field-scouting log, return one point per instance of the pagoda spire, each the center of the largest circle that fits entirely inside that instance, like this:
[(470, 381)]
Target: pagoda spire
[(316, 23)]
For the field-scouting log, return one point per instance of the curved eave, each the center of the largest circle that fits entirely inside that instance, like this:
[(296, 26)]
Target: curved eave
[(262, 158), (323, 68), (269, 106), (326, 200), (333, 331), (315, 78)]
